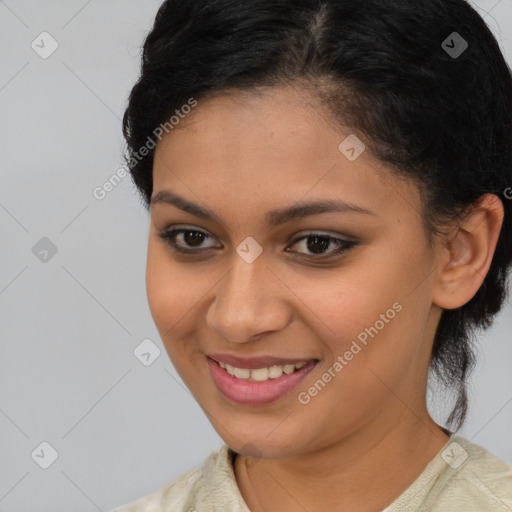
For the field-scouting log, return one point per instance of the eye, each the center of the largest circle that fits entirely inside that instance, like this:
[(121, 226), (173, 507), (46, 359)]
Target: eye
[(186, 240), (191, 241), (319, 243)]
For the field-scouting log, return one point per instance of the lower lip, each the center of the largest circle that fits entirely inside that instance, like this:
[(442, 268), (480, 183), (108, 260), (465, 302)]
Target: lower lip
[(249, 392)]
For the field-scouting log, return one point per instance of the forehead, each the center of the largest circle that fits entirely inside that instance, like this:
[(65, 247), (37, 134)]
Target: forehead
[(282, 120), (276, 146)]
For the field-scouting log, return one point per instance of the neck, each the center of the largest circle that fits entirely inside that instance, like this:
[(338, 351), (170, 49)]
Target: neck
[(365, 471)]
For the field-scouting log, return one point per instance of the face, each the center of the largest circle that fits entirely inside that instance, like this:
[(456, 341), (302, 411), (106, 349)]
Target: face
[(272, 252)]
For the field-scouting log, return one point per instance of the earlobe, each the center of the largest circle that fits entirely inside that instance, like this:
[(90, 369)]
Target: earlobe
[(467, 253)]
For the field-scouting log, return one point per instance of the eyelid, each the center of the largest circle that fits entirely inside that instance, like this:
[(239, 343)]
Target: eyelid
[(185, 227), (320, 232)]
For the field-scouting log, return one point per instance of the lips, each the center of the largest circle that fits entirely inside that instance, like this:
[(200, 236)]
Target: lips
[(252, 392)]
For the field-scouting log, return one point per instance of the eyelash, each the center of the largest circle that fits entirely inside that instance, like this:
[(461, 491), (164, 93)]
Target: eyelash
[(169, 236)]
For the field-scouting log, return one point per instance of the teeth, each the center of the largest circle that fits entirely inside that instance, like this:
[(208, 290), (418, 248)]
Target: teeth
[(288, 368), (275, 371), (262, 374), (259, 374), (242, 373)]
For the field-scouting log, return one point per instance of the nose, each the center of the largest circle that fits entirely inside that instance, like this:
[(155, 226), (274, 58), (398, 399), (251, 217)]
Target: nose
[(250, 301)]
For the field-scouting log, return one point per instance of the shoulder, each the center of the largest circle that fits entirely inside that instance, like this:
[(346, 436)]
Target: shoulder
[(475, 479), (172, 496), (462, 477), (195, 490)]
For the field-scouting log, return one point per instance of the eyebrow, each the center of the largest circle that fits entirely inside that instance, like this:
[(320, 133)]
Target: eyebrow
[(273, 218)]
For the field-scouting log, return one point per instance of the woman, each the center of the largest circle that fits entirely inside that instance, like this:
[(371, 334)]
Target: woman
[(327, 185)]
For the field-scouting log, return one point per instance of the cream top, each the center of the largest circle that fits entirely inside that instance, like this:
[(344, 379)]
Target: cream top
[(462, 477)]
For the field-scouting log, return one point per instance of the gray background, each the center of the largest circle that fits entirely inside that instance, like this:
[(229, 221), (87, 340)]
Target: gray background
[(69, 325)]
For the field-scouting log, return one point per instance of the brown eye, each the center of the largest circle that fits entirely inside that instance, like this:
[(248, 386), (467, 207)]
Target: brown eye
[(186, 240), (318, 244), (193, 238)]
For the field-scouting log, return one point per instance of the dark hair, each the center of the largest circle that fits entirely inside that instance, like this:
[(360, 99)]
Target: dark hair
[(385, 69)]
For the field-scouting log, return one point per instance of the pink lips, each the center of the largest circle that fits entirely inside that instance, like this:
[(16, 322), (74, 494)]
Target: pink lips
[(248, 392)]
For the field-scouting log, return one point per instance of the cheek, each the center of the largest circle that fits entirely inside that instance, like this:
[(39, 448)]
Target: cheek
[(162, 298), (175, 292), (367, 311), (341, 305), (171, 304), (171, 292)]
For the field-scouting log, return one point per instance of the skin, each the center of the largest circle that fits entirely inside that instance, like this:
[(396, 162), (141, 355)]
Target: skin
[(361, 441)]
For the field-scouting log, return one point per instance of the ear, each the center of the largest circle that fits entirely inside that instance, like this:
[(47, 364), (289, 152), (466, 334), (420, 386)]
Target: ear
[(467, 252)]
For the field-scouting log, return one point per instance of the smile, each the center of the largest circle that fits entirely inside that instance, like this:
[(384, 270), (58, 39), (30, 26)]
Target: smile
[(259, 384), (262, 374)]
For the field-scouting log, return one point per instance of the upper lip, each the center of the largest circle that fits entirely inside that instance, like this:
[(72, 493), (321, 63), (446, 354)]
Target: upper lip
[(255, 362)]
